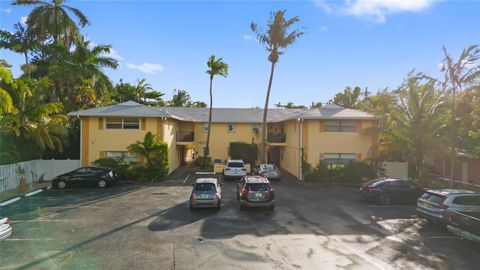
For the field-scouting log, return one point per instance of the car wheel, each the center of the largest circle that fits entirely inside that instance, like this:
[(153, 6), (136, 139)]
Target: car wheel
[(62, 184), (102, 183), (219, 205), (385, 199)]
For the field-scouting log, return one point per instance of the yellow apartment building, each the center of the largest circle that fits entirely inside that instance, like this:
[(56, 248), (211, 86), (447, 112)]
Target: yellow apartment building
[(334, 134)]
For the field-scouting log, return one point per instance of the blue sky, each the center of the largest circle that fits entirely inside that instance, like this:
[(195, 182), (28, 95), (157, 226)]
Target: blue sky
[(372, 44)]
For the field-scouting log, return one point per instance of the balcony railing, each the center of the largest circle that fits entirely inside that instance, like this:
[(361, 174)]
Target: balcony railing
[(185, 136), (276, 138)]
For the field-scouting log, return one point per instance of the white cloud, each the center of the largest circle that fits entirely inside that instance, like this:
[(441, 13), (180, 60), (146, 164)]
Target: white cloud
[(247, 37), (376, 10), (114, 54), (23, 20), (147, 68), (8, 10)]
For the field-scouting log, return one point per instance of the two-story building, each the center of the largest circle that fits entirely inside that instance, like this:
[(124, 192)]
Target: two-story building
[(332, 133)]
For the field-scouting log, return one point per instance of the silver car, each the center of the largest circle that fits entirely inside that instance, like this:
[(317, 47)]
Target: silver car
[(434, 203), (5, 228), (269, 171), (206, 192)]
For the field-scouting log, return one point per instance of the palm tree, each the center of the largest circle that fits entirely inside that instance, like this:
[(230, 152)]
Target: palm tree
[(459, 73), (275, 39), (215, 67), (416, 121), (20, 41), (142, 89), (51, 19), (155, 153)]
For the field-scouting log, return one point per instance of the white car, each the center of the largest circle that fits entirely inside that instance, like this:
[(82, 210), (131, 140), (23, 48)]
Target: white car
[(235, 169), (5, 228)]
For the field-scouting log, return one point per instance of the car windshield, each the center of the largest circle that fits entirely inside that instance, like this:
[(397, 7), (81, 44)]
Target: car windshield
[(205, 187), (433, 198), (258, 186), (268, 167), (235, 164)]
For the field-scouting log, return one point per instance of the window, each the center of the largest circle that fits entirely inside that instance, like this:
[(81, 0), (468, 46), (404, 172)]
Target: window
[(255, 128), (467, 200), (131, 123), (334, 158), (122, 123), (340, 126), (205, 127), (123, 156), (114, 123), (231, 128)]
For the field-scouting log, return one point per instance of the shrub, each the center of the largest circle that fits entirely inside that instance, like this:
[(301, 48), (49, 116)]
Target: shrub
[(248, 152), (155, 152), (354, 173), (321, 173), (121, 168), (203, 161)]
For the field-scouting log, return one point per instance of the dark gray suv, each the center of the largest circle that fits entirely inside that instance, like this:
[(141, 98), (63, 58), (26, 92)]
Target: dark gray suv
[(255, 191)]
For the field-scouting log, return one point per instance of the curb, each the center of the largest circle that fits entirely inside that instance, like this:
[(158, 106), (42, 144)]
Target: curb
[(14, 199)]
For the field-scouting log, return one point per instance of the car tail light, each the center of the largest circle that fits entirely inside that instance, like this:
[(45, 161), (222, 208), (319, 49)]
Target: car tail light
[(270, 190), (193, 196), (442, 205), (216, 196), (7, 221), (369, 189), (245, 191)]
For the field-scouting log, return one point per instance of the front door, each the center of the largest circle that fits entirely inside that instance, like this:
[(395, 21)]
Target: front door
[(275, 156)]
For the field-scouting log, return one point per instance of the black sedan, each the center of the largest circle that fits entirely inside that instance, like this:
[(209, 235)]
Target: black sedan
[(100, 177), (387, 191)]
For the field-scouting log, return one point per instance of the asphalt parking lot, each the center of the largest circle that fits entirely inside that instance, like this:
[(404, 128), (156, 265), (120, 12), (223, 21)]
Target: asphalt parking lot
[(135, 226)]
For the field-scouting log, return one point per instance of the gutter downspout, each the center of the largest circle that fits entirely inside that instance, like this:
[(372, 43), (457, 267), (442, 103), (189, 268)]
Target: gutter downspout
[(81, 140), (301, 148)]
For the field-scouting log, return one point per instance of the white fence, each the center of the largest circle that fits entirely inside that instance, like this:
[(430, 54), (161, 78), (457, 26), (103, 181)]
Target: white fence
[(34, 169)]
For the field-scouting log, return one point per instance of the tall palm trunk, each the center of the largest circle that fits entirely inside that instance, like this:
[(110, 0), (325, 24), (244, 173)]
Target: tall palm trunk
[(263, 156), (206, 152), (453, 134)]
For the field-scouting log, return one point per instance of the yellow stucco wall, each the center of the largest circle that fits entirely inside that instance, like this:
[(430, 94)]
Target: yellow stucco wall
[(220, 138), (290, 154), (96, 140), (320, 142), (101, 139)]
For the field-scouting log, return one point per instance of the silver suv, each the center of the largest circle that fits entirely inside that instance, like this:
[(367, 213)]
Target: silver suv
[(434, 203), (235, 169)]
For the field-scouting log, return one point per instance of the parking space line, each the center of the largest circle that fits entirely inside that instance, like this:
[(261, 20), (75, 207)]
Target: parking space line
[(27, 239), (33, 192), (445, 237), (34, 220), (10, 201), (186, 178)]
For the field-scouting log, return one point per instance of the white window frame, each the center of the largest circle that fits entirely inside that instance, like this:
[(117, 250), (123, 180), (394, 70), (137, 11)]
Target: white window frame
[(205, 127), (233, 127), (340, 126), (122, 121), (123, 156), (339, 158)]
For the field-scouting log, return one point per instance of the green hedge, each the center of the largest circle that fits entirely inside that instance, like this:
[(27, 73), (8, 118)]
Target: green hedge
[(354, 173), (248, 152)]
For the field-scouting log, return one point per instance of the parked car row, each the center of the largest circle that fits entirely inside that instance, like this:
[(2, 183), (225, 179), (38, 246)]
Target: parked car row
[(235, 169), (456, 209), (251, 191)]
